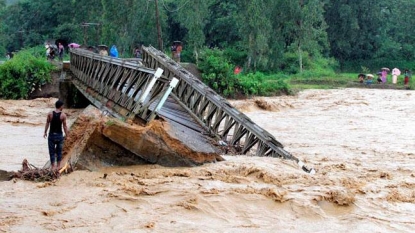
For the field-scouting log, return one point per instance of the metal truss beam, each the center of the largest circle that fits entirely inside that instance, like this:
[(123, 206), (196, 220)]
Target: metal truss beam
[(215, 112)]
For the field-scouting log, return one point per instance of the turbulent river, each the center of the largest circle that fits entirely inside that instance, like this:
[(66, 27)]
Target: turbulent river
[(360, 141)]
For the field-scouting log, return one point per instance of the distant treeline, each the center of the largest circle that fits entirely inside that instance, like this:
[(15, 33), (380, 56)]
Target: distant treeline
[(265, 35)]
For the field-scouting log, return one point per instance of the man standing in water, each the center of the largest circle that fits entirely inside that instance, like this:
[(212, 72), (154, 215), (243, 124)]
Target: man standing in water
[(56, 119)]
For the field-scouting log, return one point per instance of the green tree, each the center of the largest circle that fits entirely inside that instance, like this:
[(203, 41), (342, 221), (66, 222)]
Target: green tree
[(303, 28), (193, 17), (222, 28), (23, 74), (255, 28), (28, 23), (116, 22), (128, 23), (2, 27), (354, 28), (398, 30), (82, 23)]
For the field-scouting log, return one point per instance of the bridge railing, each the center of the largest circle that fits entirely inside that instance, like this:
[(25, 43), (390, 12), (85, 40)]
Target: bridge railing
[(117, 85), (215, 112)]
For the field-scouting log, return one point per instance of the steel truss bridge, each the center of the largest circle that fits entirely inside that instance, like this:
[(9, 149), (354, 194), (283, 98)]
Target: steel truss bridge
[(157, 86)]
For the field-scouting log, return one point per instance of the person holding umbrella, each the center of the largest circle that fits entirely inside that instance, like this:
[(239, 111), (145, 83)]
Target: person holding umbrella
[(176, 49), (369, 79), (103, 50), (74, 45), (395, 73), (384, 74)]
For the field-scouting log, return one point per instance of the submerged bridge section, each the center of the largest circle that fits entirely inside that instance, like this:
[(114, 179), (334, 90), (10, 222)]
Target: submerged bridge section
[(160, 87)]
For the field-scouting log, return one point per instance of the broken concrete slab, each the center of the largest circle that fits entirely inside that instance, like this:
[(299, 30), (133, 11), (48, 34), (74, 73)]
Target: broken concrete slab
[(96, 140), (157, 143)]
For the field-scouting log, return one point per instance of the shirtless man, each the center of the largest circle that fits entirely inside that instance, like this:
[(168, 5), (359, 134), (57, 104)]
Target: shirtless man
[(56, 119)]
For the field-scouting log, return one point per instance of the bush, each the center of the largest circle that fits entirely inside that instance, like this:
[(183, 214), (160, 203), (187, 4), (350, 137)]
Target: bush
[(187, 56), (324, 66), (263, 85), (236, 54), (316, 66), (217, 72), (23, 74), (290, 63), (38, 51)]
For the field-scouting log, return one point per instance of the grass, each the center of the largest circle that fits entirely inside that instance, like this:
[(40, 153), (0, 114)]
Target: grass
[(327, 82), (342, 80)]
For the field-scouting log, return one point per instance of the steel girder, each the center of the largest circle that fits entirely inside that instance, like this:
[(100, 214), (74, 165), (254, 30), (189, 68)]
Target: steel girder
[(214, 111)]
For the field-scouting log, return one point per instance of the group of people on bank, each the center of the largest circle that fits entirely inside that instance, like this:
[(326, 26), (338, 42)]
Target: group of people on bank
[(382, 76), (53, 50)]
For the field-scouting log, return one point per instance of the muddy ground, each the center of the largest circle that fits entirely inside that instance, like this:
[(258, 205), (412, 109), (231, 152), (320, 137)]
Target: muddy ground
[(360, 141)]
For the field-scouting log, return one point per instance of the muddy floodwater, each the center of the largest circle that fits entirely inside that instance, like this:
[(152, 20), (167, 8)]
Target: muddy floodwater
[(360, 141)]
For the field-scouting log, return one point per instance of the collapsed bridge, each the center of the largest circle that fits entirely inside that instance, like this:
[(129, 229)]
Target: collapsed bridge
[(158, 87)]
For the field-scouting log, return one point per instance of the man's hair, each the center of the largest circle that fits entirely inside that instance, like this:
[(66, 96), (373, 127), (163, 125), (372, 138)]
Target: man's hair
[(58, 104)]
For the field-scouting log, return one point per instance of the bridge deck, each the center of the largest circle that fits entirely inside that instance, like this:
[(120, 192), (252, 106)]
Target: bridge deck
[(184, 126), (172, 111)]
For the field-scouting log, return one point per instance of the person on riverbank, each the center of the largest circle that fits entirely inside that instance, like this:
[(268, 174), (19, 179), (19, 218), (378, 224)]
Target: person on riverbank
[(60, 51), (384, 74), (379, 78), (178, 53), (137, 53), (369, 79), (114, 51), (48, 49), (103, 52), (361, 78), (176, 50), (55, 121), (395, 73), (407, 75)]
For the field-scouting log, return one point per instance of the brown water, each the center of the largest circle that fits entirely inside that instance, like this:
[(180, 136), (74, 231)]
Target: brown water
[(360, 141)]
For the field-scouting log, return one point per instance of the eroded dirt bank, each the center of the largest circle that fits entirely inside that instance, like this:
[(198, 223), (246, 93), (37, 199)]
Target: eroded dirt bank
[(361, 142)]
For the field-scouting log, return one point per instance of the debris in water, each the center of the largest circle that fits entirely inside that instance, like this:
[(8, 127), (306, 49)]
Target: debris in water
[(30, 172)]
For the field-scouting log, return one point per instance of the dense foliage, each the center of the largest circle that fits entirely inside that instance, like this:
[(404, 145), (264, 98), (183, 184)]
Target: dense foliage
[(299, 37), (218, 74), (23, 74), (263, 35)]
